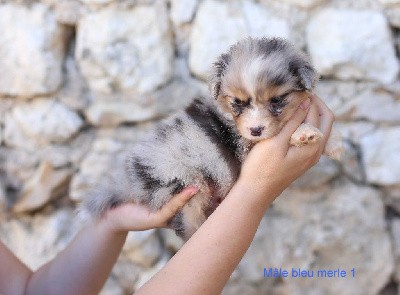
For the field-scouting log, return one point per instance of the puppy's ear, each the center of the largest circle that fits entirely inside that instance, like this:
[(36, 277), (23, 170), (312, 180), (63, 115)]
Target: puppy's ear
[(307, 77), (306, 74), (217, 73)]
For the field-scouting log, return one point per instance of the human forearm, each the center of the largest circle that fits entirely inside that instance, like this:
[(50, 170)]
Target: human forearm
[(13, 273), (83, 266), (206, 261)]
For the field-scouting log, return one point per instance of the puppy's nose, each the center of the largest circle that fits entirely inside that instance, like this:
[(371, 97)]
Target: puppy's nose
[(256, 131)]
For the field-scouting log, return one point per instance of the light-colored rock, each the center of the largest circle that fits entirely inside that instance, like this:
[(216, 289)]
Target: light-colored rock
[(80, 145), (74, 93), (380, 150), (336, 227), (127, 135), (36, 240), (125, 50), (18, 165), (67, 12), (40, 122), (376, 106), (392, 197), (112, 287), (106, 155), (359, 101), (351, 164), (393, 15), (173, 97), (171, 241), (5, 106), (261, 22), (143, 247), (350, 44), (3, 199), (44, 186), (97, 1), (395, 231), (98, 4), (392, 11), (115, 113), (182, 11), (32, 50), (354, 131), (234, 20), (58, 156), (126, 273), (320, 174), (149, 273), (390, 2), (337, 96), (304, 3), (106, 146)]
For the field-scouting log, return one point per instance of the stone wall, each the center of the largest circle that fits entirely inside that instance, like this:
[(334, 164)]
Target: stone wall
[(83, 80)]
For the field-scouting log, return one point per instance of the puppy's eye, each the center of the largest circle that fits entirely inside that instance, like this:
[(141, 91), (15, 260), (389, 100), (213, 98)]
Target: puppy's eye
[(239, 102), (276, 100), (276, 105), (239, 105)]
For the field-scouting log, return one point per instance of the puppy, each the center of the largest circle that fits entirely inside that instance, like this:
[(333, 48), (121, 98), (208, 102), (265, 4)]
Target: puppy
[(256, 87)]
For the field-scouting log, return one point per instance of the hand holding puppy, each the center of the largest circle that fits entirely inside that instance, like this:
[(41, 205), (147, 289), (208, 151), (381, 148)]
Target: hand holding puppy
[(135, 217), (287, 162)]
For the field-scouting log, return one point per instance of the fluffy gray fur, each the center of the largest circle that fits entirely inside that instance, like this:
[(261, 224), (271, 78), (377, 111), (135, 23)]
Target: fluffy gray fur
[(201, 145)]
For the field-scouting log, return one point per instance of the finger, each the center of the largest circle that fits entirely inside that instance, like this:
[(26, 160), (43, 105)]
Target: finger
[(312, 117), (176, 203), (294, 122), (326, 118)]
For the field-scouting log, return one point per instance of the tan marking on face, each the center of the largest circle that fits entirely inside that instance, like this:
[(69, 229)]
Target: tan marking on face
[(237, 92), (265, 94), (260, 116)]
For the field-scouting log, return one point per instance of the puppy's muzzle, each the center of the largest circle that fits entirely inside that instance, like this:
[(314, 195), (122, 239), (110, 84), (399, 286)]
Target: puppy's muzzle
[(256, 131)]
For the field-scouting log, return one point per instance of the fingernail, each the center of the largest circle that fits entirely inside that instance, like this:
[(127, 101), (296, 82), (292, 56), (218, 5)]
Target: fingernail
[(305, 104), (193, 190)]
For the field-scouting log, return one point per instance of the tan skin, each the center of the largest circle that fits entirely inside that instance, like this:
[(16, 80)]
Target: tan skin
[(206, 261), (83, 267)]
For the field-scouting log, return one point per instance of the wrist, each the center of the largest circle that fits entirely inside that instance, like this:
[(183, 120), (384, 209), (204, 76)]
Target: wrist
[(109, 227), (260, 193), (265, 188)]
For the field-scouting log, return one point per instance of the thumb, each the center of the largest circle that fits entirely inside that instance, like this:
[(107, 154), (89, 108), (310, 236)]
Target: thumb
[(177, 202)]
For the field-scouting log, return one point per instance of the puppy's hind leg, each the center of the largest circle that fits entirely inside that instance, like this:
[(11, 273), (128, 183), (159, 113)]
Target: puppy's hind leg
[(191, 217)]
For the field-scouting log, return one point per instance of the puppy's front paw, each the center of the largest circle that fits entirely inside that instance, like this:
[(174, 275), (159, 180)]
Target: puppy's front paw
[(305, 134)]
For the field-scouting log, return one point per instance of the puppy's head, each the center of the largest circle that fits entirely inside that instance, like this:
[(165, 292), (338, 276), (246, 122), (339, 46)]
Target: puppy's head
[(261, 83)]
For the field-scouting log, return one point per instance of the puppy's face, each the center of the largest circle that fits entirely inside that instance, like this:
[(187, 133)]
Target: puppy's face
[(260, 83)]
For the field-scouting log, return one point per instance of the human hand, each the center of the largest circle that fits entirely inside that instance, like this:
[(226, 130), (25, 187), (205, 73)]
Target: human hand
[(273, 164), (135, 217)]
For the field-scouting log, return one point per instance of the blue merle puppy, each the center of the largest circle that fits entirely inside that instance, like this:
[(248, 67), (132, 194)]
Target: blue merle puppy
[(256, 87)]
